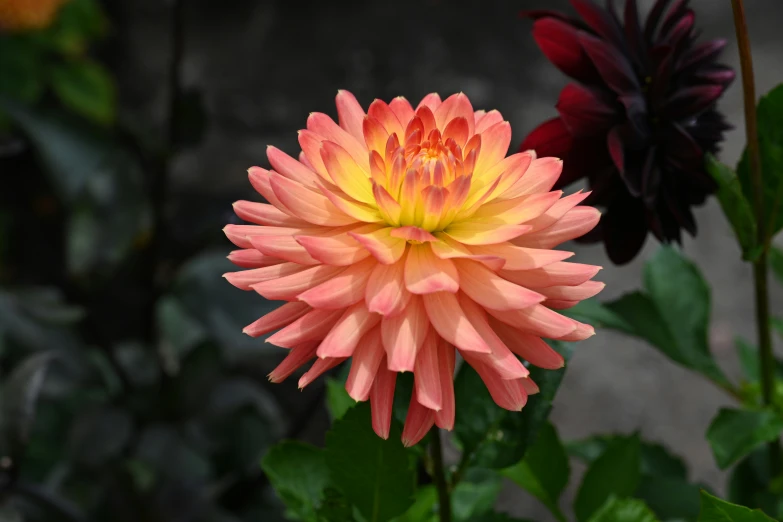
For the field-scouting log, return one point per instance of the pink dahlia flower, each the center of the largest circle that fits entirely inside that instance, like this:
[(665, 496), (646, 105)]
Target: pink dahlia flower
[(401, 235)]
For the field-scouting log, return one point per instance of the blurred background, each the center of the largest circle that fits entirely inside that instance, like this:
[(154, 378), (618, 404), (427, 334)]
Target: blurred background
[(126, 129)]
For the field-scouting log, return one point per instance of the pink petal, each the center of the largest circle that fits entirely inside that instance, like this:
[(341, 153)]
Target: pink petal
[(288, 287), (446, 360), (383, 113), (541, 176), (307, 204), (431, 101), (573, 293), (382, 245), (252, 258), (293, 361), (244, 279), (576, 223), (343, 290), (354, 209), (339, 250), (494, 146), (507, 393), (276, 319), (402, 109), (349, 113), (557, 211), (554, 274), (418, 422), (350, 328), (458, 130), (488, 120), (518, 210), (265, 214), (583, 331), (365, 361), (382, 400), (413, 234), (291, 168), (521, 258), (426, 273), (426, 373), (453, 107), (319, 367), (501, 360), (537, 320), (375, 135), (311, 147), (447, 248), (450, 322), (325, 127), (492, 291), (530, 347), (311, 326), (403, 336), (283, 247), (386, 293)]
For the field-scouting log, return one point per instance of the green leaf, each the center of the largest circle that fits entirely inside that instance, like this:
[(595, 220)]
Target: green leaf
[(623, 510), (714, 509), (299, 474), (670, 498), (615, 473), (750, 480), (496, 438), (423, 508), (672, 313), (735, 433), (20, 394), (337, 399), (475, 494), (77, 23), (734, 204), (85, 88), (21, 77), (374, 474), (682, 297), (770, 114), (544, 470), (748, 356)]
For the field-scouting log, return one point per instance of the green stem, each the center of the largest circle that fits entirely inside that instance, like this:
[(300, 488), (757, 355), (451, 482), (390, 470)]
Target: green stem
[(444, 495), (760, 265)]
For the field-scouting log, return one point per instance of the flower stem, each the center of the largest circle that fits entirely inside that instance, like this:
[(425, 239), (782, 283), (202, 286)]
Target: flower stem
[(444, 495), (760, 265)]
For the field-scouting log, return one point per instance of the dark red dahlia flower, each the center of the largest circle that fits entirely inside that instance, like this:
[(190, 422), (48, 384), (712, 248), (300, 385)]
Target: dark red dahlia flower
[(640, 119)]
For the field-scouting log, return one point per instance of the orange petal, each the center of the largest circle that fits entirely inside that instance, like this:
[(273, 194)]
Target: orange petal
[(385, 248), (276, 319), (576, 223), (492, 291), (252, 258), (537, 320), (319, 367), (312, 326), (541, 176), (386, 293), (521, 258), (349, 113), (484, 233), (283, 247), (418, 422), (346, 173), (291, 168), (244, 279), (453, 107), (402, 109), (307, 204), (343, 290), (494, 146), (382, 400), (530, 347), (293, 361), (446, 360), (426, 373), (288, 287), (324, 126), (573, 293), (365, 361)]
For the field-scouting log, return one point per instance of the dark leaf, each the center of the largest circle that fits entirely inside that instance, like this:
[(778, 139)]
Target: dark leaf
[(670, 498), (714, 509), (734, 204), (374, 474), (423, 508), (656, 459), (85, 88), (735, 433), (616, 472), (495, 437), (475, 494), (21, 77), (77, 22), (770, 113), (750, 480), (776, 262), (544, 470), (299, 474), (624, 510), (19, 399), (37, 318), (337, 399), (99, 435)]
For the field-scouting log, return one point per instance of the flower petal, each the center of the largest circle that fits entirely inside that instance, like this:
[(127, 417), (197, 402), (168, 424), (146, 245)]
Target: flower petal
[(426, 373), (450, 322), (453, 107), (538, 320), (403, 336), (252, 258), (576, 222), (365, 361), (494, 146), (339, 250), (283, 247), (573, 293), (530, 347), (418, 422), (492, 291), (244, 279), (385, 248), (382, 400), (288, 287), (346, 173), (520, 258), (540, 176), (343, 290), (319, 367), (426, 273), (446, 361), (276, 319), (297, 357), (350, 328), (554, 274), (307, 204), (484, 232), (292, 169), (265, 214), (311, 326), (350, 114), (324, 126), (386, 293)]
